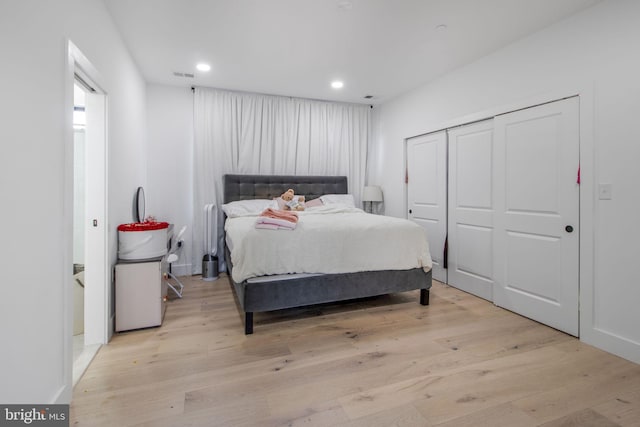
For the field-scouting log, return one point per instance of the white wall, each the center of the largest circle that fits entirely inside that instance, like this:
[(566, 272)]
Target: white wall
[(595, 54), (170, 162), (36, 135)]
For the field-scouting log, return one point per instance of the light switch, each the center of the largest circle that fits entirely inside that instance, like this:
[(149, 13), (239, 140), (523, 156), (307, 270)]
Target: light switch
[(604, 191)]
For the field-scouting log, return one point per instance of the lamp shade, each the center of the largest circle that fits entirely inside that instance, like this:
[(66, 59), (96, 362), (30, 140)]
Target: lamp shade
[(372, 193)]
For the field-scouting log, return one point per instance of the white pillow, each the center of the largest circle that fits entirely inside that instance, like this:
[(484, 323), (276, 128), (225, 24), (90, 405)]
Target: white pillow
[(248, 207), (338, 199)]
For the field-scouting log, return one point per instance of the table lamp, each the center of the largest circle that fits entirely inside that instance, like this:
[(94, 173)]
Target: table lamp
[(371, 193)]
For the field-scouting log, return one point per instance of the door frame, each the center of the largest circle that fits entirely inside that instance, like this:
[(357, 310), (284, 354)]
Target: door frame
[(77, 63)]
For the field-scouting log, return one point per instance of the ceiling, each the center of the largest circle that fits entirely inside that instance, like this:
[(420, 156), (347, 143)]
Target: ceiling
[(296, 48)]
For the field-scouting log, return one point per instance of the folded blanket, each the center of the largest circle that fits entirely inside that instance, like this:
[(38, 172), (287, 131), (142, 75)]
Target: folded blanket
[(272, 219), (282, 215), (274, 223)]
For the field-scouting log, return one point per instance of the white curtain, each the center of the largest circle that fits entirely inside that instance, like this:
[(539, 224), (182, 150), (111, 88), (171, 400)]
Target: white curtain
[(246, 133)]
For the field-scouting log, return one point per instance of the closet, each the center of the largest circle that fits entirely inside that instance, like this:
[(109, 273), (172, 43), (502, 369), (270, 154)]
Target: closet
[(499, 200)]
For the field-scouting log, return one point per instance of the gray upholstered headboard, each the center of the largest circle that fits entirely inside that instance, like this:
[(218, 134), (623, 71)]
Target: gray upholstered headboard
[(244, 187)]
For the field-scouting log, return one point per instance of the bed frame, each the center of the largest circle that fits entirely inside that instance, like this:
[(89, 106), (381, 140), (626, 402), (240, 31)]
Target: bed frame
[(289, 293)]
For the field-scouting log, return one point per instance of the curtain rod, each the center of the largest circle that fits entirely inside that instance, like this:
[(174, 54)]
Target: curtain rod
[(193, 89)]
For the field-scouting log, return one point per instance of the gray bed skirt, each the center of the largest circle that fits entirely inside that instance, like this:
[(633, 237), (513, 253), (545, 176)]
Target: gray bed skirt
[(290, 293)]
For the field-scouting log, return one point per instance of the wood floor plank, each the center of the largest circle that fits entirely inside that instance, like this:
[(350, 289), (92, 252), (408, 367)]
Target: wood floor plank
[(455, 391), (328, 413), (402, 416), (585, 418), (116, 411), (623, 409), (375, 362), (600, 381), (349, 375), (502, 415)]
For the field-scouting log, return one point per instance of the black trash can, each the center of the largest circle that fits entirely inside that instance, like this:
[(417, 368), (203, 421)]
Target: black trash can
[(209, 268)]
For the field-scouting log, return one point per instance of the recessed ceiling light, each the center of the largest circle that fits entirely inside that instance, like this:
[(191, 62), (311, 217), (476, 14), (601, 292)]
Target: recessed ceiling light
[(441, 27), (203, 67), (337, 84)]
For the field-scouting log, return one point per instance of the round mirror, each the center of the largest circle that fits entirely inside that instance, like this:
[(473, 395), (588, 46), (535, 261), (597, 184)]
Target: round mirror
[(139, 205)]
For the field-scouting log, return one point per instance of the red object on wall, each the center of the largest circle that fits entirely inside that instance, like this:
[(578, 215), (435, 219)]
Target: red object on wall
[(578, 174)]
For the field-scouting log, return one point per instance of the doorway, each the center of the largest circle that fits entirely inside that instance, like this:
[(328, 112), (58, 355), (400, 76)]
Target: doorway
[(89, 298), (79, 215)]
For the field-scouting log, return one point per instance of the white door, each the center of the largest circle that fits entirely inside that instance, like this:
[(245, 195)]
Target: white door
[(536, 160), (427, 192), (471, 206), (96, 290)]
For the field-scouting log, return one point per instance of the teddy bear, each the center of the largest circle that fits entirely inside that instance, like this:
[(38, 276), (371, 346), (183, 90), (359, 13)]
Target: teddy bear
[(291, 201)]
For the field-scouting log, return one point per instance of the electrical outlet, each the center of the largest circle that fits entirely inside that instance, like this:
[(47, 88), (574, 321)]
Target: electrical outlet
[(604, 191)]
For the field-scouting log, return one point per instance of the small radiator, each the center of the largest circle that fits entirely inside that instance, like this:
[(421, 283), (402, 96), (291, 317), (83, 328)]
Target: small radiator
[(210, 240), (210, 229)]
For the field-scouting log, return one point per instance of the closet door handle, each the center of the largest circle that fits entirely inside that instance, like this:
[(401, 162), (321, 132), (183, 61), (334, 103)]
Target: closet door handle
[(568, 229), (445, 252), (410, 211)]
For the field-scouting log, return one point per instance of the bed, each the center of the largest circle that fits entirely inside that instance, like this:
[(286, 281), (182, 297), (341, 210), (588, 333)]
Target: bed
[(273, 291)]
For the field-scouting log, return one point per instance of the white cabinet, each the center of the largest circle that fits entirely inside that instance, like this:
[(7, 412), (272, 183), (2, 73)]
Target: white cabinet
[(140, 294)]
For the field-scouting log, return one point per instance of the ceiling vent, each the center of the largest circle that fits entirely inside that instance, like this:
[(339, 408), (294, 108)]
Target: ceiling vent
[(188, 75)]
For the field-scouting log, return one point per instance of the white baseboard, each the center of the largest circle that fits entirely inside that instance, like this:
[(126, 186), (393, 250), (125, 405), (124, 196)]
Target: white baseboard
[(612, 343), (81, 364), (111, 327)]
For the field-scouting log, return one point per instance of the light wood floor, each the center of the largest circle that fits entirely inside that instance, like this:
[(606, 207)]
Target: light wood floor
[(380, 362)]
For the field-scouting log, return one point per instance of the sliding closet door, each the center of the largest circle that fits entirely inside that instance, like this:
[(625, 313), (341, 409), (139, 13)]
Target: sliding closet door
[(471, 206), (536, 159), (427, 192)]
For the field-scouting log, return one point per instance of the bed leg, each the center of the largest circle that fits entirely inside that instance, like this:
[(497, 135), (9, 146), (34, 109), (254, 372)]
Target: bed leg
[(424, 296), (248, 323)]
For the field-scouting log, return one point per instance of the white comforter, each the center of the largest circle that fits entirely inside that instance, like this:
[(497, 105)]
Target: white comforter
[(327, 239)]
